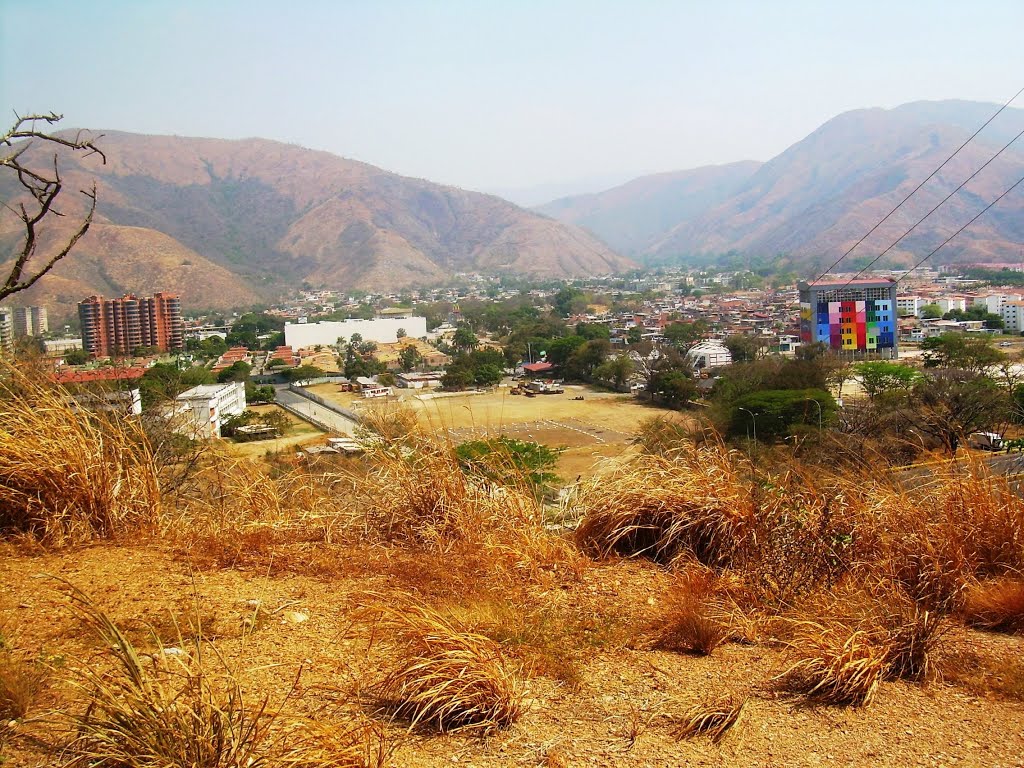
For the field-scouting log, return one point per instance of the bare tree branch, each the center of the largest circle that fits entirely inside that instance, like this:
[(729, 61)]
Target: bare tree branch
[(44, 186)]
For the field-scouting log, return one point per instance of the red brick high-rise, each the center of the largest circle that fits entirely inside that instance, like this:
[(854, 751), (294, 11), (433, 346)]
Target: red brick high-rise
[(120, 326)]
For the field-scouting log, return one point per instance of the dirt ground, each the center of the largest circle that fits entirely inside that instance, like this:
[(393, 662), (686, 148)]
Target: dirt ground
[(601, 426), (620, 712)]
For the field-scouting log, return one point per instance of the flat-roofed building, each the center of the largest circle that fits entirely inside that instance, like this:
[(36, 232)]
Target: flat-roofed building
[(30, 321), (117, 327), (204, 408), (856, 317), (6, 331)]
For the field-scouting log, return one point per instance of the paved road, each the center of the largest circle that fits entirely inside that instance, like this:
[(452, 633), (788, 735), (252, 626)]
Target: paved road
[(316, 412)]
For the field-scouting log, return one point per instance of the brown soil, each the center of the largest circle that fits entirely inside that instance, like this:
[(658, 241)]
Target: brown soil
[(620, 709)]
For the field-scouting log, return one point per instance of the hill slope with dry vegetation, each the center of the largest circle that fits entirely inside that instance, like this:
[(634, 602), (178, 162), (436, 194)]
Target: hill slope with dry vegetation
[(227, 221), (679, 606)]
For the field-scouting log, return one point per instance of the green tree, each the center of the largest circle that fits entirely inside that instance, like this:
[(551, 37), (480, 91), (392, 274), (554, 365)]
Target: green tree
[(617, 370), (304, 373), (975, 354), (772, 413), (487, 375), (237, 371), (951, 404), (675, 388), (510, 462), (569, 301), (560, 350), (165, 381), (409, 358), (683, 336), (76, 357), (931, 312), (744, 348), (464, 339), (879, 376), (593, 331), (586, 358), (634, 335)]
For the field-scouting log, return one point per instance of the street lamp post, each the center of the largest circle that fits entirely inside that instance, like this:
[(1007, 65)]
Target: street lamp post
[(753, 419), (811, 399)]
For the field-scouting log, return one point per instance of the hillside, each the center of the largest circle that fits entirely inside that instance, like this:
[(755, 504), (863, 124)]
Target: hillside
[(227, 222), (817, 198), (633, 216)]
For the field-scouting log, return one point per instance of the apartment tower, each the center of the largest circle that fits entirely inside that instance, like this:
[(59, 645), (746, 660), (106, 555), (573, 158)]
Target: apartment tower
[(120, 326), (6, 331), (30, 321)]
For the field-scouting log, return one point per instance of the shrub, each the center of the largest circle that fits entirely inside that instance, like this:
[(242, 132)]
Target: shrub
[(661, 507), (20, 683), (835, 665), (70, 475), (693, 620), (997, 605), (444, 677)]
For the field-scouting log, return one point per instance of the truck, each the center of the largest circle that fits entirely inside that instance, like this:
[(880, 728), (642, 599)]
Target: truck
[(985, 441)]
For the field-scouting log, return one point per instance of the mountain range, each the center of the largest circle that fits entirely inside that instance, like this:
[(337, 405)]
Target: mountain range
[(230, 223), (813, 201)]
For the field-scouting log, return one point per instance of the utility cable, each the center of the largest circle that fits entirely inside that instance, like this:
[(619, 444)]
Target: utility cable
[(965, 226), (942, 202), (914, 191)]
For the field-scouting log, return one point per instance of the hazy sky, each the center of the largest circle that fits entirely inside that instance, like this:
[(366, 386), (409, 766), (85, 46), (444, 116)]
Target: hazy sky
[(497, 94)]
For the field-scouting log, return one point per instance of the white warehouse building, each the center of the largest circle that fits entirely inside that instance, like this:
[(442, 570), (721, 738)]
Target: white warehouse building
[(709, 354), (383, 330)]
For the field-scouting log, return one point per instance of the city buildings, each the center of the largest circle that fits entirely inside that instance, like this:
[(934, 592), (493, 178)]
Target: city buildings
[(30, 321), (857, 316), (120, 326), (6, 331)]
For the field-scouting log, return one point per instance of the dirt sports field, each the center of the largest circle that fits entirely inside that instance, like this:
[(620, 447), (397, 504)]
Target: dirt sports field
[(599, 426)]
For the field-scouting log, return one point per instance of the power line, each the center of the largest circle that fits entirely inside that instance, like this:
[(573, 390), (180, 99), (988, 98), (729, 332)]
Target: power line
[(965, 226), (914, 191), (942, 202)]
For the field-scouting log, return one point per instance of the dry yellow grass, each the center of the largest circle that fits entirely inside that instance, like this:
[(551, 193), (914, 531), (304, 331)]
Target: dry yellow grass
[(712, 720), (997, 605), (445, 677), (692, 503), (69, 476)]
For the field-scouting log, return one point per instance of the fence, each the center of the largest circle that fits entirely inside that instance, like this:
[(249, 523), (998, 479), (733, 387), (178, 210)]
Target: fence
[(303, 392)]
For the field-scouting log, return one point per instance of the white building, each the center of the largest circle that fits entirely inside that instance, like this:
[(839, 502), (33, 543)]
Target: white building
[(203, 408), (59, 346), (1012, 313), (909, 305), (950, 303), (993, 302), (381, 330), (6, 330), (709, 354)]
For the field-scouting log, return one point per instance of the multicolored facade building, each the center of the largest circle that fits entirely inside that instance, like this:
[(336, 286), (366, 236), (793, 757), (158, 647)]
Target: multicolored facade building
[(856, 317)]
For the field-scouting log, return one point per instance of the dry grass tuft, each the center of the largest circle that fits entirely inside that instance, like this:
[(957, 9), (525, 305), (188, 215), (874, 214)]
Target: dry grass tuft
[(836, 666), (178, 707), (909, 635), (444, 677), (694, 620), (660, 507), (996, 605), (21, 681), (69, 476), (714, 720)]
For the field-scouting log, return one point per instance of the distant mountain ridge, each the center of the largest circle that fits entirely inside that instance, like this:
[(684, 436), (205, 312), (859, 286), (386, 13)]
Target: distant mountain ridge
[(817, 198), (230, 222)]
